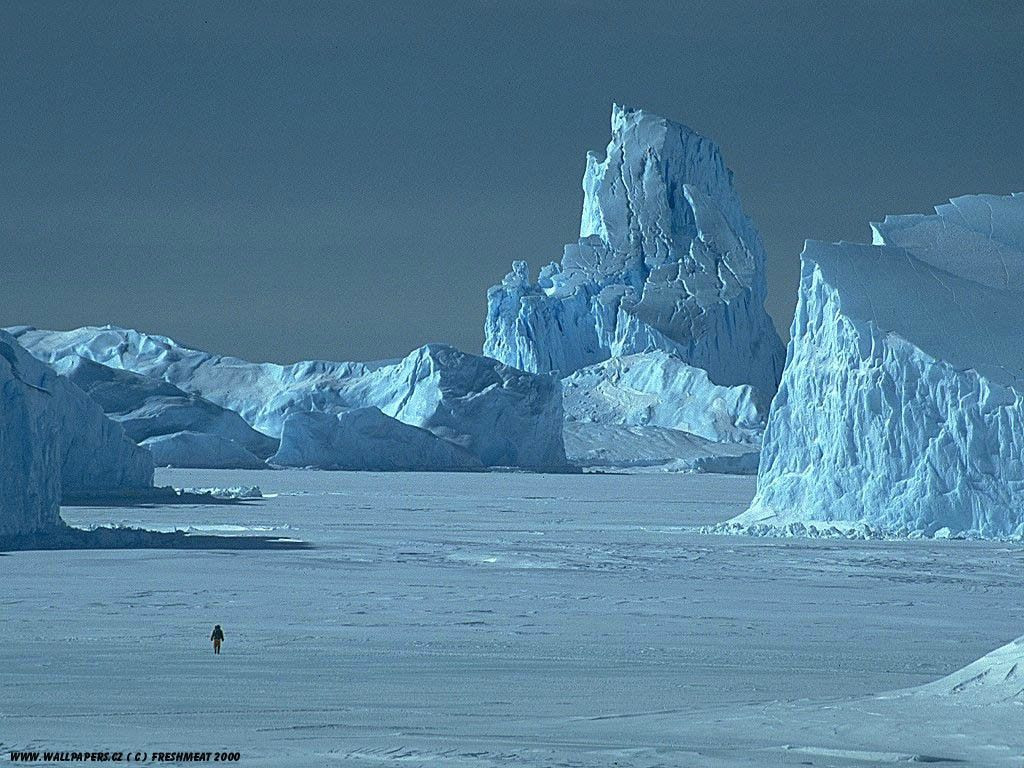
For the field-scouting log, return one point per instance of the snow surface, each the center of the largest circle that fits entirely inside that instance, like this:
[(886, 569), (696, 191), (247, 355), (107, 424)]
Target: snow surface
[(365, 439), (55, 442), (480, 620), (503, 416), (900, 407), (979, 237), (180, 429), (666, 260)]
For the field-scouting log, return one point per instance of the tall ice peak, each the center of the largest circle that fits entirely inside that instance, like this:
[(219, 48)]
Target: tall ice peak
[(666, 260)]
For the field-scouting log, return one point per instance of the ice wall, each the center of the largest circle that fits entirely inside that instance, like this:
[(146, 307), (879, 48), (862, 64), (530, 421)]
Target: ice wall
[(901, 403), (666, 260), (29, 447), (54, 442)]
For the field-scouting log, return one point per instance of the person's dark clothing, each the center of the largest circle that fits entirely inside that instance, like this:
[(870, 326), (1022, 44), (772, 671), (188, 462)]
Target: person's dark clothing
[(218, 638)]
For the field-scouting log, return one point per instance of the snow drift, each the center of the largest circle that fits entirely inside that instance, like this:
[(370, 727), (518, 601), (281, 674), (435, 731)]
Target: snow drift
[(666, 260), (995, 678), (901, 405), (500, 415), (54, 442)]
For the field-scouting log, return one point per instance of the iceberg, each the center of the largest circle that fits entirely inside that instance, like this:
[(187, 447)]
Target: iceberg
[(653, 412), (29, 447), (901, 408), (666, 260), (624, 448), (55, 442), (365, 439), (200, 450), (658, 389), (178, 428), (500, 415)]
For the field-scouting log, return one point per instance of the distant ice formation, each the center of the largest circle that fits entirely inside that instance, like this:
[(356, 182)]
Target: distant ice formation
[(901, 408), (55, 441), (658, 389), (499, 415), (653, 412), (200, 449), (627, 448), (365, 439), (234, 493), (178, 428), (666, 260), (655, 318)]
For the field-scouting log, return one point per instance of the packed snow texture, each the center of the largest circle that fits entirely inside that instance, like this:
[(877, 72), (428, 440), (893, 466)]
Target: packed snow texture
[(54, 441), (900, 407), (658, 389), (666, 260), (178, 428), (500, 415), (525, 620), (365, 439)]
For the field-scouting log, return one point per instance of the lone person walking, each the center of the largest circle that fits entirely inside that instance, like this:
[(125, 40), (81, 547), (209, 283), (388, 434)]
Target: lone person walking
[(218, 638)]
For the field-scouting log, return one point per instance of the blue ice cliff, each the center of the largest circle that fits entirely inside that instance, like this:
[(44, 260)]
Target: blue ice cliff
[(668, 268), (55, 442), (496, 414), (901, 407)]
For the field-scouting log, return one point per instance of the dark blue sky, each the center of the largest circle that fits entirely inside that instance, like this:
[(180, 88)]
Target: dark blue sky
[(344, 180)]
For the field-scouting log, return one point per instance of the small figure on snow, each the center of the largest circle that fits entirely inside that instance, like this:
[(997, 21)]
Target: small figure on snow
[(217, 637)]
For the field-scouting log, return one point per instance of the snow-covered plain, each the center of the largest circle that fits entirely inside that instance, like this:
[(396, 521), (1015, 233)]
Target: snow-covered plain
[(506, 619)]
